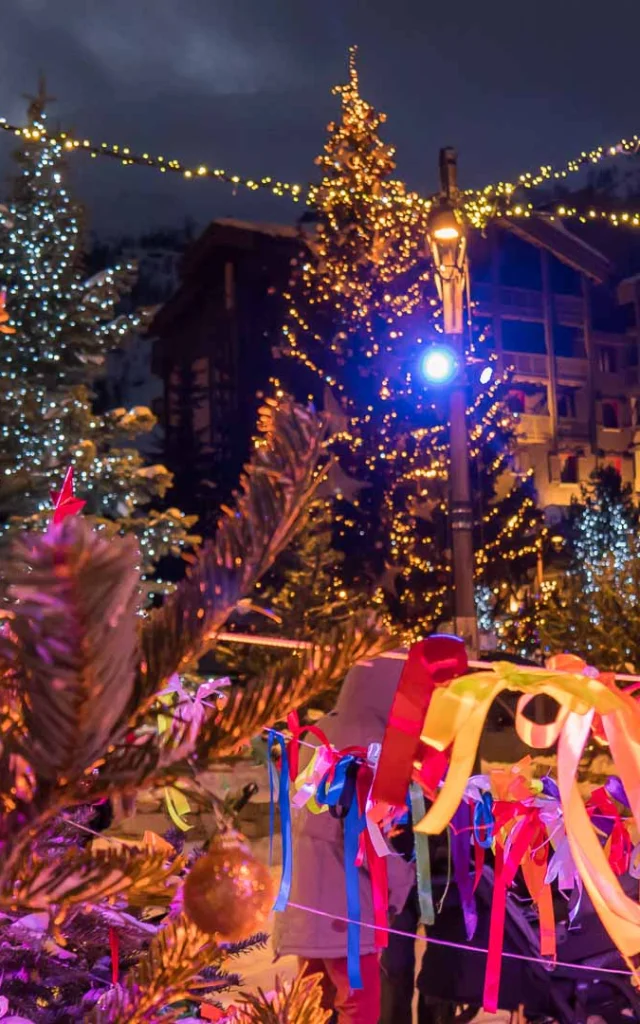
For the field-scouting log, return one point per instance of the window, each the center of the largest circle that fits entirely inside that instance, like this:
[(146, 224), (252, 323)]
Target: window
[(522, 336), (567, 405), (515, 401), (568, 341), (610, 415), (568, 469), (607, 359)]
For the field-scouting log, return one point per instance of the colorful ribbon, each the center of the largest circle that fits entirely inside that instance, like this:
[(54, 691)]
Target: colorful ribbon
[(285, 820), (456, 716), (460, 855), (423, 858), (484, 823), (297, 730), (338, 791), (430, 665)]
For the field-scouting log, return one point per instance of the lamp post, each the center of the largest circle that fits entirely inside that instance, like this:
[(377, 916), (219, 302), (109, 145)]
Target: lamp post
[(448, 245)]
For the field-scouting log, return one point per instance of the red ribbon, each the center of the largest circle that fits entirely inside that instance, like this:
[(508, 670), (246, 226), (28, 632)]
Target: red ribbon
[(430, 663), (376, 865), (293, 747), (618, 846), (528, 850), (114, 946)]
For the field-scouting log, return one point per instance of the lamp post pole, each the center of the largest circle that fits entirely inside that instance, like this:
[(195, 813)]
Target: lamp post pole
[(448, 247)]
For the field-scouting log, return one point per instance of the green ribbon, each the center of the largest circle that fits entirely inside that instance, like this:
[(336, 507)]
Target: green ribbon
[(423, 859)]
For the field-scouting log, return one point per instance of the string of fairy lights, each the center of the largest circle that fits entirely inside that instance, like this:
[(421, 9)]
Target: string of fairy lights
[(495, 199), (394, 219)]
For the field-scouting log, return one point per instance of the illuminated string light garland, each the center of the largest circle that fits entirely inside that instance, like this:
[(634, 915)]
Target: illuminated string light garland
[(125, 156), (548, 173), (478, 206)]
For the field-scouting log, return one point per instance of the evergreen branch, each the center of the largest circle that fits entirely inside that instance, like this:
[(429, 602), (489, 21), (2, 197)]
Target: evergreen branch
[(299, 1002), (73, 643), (289, 682), (269, 508), (166, 974), (82, 877)]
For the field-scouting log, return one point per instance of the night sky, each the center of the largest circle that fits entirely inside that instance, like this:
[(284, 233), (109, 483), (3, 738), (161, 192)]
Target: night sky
[(245, 84)]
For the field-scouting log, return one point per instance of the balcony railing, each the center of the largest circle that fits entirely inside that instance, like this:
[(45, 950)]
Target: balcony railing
[(526, 304), (537, 429), (533, 429), (530, 364), (577, 430)]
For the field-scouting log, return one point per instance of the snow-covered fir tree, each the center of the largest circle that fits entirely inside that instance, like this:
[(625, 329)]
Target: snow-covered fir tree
[(54, 345)]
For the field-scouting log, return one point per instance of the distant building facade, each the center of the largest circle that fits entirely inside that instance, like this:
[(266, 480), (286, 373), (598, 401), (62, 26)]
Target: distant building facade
[(571, 335), (129, 379), (553, 310), (213, 351)]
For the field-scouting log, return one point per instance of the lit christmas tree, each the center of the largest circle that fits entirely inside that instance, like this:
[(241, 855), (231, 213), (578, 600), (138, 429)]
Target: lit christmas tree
[(105, 931), (603, 525), (53, 346), (593, 608), (360, 307)]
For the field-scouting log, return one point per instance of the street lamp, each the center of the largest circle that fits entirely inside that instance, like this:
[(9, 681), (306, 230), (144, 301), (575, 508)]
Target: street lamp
[(448, 245), (439, 364)]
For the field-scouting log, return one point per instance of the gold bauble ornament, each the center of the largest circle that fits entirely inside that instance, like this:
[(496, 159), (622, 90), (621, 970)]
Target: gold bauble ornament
[(228, 892)]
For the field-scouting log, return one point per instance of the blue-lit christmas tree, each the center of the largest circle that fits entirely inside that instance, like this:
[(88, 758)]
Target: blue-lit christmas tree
[(603, 526), (52, 349), (593, 610)]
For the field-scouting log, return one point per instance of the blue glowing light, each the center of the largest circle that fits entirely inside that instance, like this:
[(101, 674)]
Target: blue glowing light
[(486, 375), (439, 365)]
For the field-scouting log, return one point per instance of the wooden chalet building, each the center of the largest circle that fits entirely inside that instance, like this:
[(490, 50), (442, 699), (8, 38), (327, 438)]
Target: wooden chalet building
[(554, 307)]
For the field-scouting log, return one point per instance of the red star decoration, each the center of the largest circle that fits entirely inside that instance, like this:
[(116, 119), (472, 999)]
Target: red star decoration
[(64, 501)]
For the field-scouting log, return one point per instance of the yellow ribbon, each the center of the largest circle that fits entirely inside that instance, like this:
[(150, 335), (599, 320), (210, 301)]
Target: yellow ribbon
[(307, 777), (456, 718), (175, 800)]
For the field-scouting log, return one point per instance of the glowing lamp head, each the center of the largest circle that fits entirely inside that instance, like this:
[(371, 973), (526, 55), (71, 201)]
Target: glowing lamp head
[(439, 365), (486, 374), (444, 225)]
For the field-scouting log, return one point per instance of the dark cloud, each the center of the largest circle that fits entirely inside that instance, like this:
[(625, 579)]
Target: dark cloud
[(246, 85)]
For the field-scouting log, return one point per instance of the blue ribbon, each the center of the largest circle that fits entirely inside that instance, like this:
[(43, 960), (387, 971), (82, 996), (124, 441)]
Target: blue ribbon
[(339, 795), (272, 805), (484, 821), (285, 818)]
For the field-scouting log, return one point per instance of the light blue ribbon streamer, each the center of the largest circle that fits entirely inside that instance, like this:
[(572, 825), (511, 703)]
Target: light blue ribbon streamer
[(423, 860), (285, 819)]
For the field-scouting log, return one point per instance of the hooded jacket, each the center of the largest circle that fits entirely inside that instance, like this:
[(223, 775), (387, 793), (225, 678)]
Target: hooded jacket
[(318, 881)]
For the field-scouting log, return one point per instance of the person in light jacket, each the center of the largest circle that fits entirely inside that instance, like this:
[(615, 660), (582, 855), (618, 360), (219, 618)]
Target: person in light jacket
[(320, 942)]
